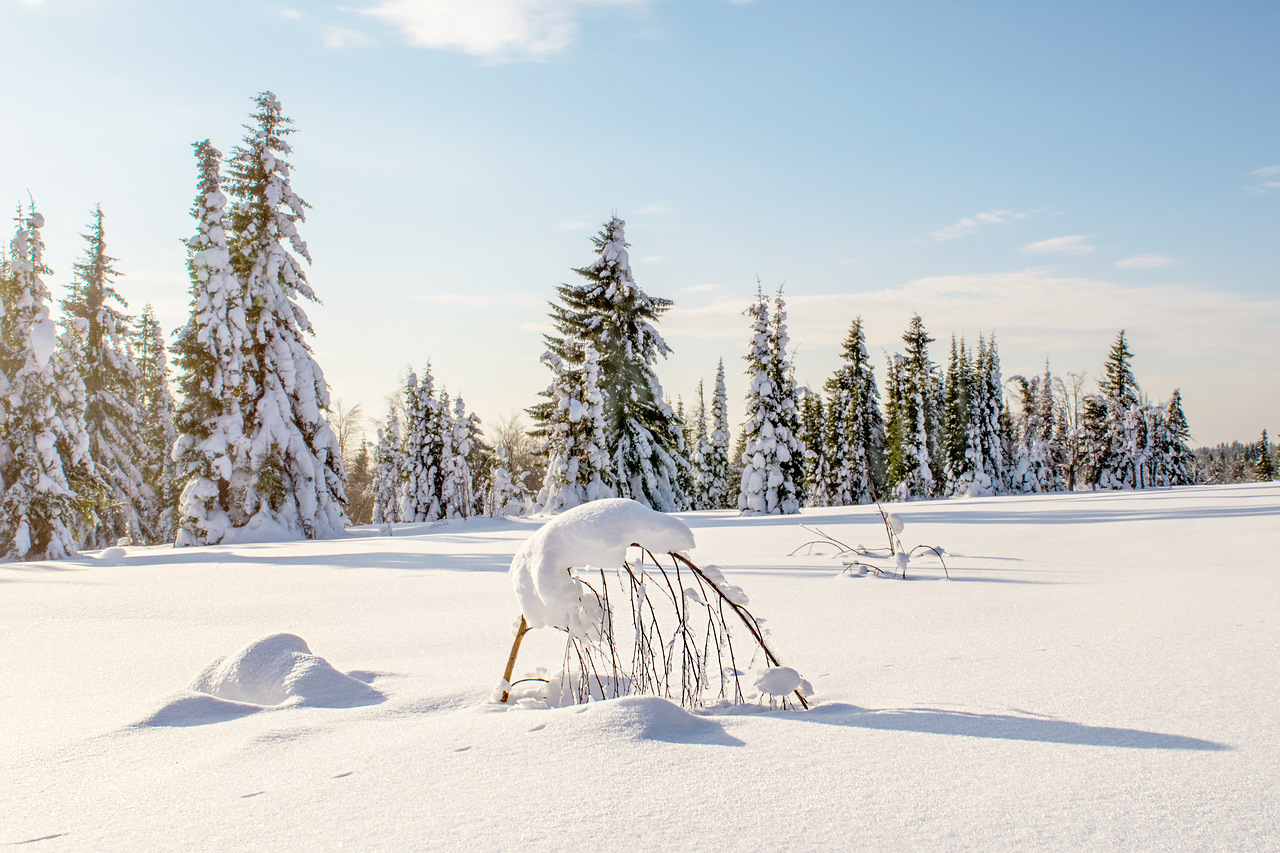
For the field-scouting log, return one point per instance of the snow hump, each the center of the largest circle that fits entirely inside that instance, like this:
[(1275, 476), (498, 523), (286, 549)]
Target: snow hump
[(594, 534)]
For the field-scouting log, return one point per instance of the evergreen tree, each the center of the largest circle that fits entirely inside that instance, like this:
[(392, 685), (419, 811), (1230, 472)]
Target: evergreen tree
[(772, 456), (424, 450), (209, 353), (389, 472), (295, 469), (1114, 438), (913, 434), (718, 491), (1265, 471), (459, 492), (608, 312), (577, 456), (700, 457), (360, 485), (159, 433), (1178, 461), (958, 420), (817, 468), (51, 487), (92, 315), (855, 431)]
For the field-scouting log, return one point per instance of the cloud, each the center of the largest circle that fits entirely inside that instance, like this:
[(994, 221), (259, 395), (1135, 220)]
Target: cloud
[(496, 29), (699, 288), (290, 14), (972, 223), (340, 37), (1268, 178), (1148, 261), (656, 209), (1073, 245)]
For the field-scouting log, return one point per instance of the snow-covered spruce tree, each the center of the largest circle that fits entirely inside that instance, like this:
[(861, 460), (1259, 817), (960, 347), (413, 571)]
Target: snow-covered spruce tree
[(989, 429), (360, 484), (424, 450), (608, 312), (159, 433), (914, 435), (209, 353), (296, 478), (458, 492), (719, 490), (1265, 470), (389, 471), (855, 436), (51, 487), (574, 428), (1114, 438), (92, 315), (1178, 462), (772, 455), (817, 469), (700, 455), (957, 413)]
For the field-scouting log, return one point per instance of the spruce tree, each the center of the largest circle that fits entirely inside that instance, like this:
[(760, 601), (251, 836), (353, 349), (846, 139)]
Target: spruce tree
[(159, 433), (700, 455), (719, 491), (389, 472), (1265, 471), (608, 312), (914, 434), (295, 469), (424, 450), (51, 487), (1179, 462), (1114, 437), (772, 456), (817, 467), (360, 485), (958, 420), (92, 315), (577, 456), (209, 353), (855, 431)]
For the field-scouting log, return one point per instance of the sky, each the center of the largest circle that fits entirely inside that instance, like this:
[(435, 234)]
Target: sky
[(1045, 173)]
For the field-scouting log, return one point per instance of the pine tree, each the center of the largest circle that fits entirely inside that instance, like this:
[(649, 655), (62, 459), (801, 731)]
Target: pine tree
[(577, 457), (718, 491), (209, 354), (424, 450), (51, 487), (92, 315), (159, 433), (389, 472), (1265, 471), (914, 434), (1114, 437), (360, 485), (296, 477), (459, 491), (855, 431), (772, 456), (700, 456), (957, 419), (608, 312), (817, 468)]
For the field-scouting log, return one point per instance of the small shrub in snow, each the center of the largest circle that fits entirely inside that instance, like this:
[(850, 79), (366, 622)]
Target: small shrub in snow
[(680, 640), (899, 554)]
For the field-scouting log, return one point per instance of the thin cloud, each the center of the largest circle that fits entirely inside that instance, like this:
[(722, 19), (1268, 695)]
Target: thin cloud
[(1074, 245), (656, 209), (495, 29), (969, 224), (1268, 178), (341, 37), (290, 14), (1148, 261)]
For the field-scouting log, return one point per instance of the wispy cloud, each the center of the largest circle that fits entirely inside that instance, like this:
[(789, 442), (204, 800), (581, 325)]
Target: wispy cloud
[(1148, 261), (340, 37), (1268, 178), (496, 29), (1077, 244), (290, 14), (969, 224), (656, 209)]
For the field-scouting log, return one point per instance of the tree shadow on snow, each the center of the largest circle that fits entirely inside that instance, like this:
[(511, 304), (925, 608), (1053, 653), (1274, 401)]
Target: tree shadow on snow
[(999, 727)]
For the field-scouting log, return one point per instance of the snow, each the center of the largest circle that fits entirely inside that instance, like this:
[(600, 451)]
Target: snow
[(1099, 675), (44, 339)]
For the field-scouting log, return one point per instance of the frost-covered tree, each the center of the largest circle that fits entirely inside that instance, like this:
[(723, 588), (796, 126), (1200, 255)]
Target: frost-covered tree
[(578, 459), (1114, 433), (608, 312), (719, 490), (913, 433), (51, 487), (157, 409), (772, 456), (817, 468), (985, 448), (93, 316), (459, 489), (1265, 470), (855, 433), (700, 454), (296, 478), (209, 353), (389, 472), (1177, 462), (424, 450)]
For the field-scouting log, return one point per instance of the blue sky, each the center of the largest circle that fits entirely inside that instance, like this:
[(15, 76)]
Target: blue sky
[(1047, 172)]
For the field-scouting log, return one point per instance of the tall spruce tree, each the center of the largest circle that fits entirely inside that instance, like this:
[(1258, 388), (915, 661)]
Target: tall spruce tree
[(295, 469), (813, 437), (720, 490), (700, 454), (1179, 462), (209, 353), (92, 315), (1265, 470), (772, 457), (855, 430), (51, 487), (389, 472), (157, 409), (578, 460), (608, 312), (1113, 432), (914, 436), (424, 450)]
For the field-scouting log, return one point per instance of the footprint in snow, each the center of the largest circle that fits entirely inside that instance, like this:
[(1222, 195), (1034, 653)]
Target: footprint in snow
[(537, 728), (342, 775), (462, 749)]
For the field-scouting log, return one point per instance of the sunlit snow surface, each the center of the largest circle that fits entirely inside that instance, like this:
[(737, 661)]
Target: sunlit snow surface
[(1100, 673)]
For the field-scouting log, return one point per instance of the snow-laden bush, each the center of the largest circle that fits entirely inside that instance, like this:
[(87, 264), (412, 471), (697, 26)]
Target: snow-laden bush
[(683, 638)]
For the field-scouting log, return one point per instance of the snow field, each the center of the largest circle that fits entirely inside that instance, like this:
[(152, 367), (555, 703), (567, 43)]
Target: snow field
[(1099, 674)]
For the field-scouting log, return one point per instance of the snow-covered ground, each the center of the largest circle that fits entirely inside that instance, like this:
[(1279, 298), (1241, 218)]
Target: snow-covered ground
[(1102, 671)]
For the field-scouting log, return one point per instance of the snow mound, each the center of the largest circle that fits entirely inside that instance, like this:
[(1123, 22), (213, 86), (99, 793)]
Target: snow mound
[(113, 553), (281, 669), (653, 718), (594, 534), (196, 709)]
